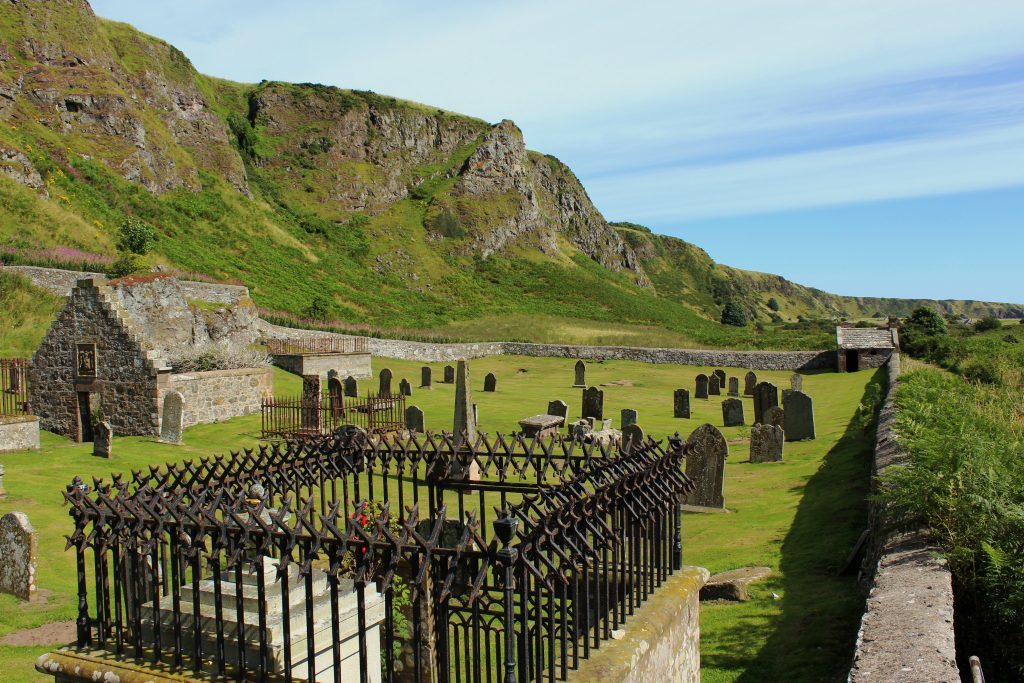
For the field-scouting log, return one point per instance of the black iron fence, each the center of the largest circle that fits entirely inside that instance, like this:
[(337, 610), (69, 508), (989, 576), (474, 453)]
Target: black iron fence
[(14, 387), (302, 417), (365, 558)]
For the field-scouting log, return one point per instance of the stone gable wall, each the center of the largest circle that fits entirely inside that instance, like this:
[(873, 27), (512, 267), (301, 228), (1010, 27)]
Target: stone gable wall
[(219, 395)]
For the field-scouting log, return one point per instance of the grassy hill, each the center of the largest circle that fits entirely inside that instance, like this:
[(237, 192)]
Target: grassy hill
[(352, 205)]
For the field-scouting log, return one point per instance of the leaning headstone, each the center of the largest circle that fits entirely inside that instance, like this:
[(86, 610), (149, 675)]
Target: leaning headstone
[(749, 382), (714, 388), (425, 377), (721, 378), (19, 548), (404, 388), (559, 408), (490, 382), (351, 387), (414, 419), (632, 436), (702, 387), (799, 416), (449, 374), (705, 465), (766, 443), (581, 374), (766, 395), (796, 382), (775, 416), (3, 491), (681, 403), (734, 386), (385, 382), (732, 412), (172, 417), (627, 418), (593, 403), (102, 439)]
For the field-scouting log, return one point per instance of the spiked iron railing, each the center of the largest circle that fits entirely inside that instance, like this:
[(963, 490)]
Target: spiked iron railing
[(583, 534)]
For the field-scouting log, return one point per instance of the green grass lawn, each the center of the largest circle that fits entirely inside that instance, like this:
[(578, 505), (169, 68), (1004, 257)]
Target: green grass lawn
[(800, 517)]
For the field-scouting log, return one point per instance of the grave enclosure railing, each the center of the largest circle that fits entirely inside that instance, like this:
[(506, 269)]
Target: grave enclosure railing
[(317, 345), (385, 550), (14, 387), (300, 417)]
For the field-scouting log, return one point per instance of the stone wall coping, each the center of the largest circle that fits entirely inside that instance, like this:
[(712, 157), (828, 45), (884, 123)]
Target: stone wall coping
[(17, 419), (309, 354), (211, 374), (83, 664)]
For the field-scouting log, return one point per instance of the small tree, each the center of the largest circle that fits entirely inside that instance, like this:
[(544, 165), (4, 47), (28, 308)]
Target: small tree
[(732, 314), (136, 236), (987, 323), (124, 266), (773, 304), (928, 321), (319, 308)]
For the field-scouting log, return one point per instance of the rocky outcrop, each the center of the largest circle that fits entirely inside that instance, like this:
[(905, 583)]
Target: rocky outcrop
[(17, 166)]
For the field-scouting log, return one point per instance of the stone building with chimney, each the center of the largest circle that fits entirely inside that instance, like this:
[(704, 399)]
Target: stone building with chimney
[(860, 348)]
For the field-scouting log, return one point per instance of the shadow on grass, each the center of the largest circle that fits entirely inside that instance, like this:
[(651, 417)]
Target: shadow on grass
[(813, 637)]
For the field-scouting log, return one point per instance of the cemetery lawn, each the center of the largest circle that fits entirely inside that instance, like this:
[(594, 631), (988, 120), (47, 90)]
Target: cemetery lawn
[(800, 517)]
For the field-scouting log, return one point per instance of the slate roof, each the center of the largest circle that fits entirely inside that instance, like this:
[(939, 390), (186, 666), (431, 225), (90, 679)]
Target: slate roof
[(864, 338)]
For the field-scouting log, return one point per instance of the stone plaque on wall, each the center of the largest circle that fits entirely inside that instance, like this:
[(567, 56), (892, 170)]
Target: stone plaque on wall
[(85, 360)]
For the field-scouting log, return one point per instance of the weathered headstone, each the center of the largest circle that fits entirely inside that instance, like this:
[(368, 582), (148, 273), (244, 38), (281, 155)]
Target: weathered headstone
[(799, 416), (351, 387), (333, 374), (172, 419), (734, 386), (775, 416), (705, 465), (714, 388), (766, 443), (785, 393), (627, 418), (335, 394), (3, 491), (102, 439), (311, 387), (632, 436), (721, 378), (593, 403), (749, 382), (559, 408), (465, 415), (425, 377), (702, 387), (404, 388), (490, 382), (796, 382), (449, 374), (19, 548), (681, 403), (385, 382), (414, 419), (311, 398), (766, 395), (581, 374), (732, 412)]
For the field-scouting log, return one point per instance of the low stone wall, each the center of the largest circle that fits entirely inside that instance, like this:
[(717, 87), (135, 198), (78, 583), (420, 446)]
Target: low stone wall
[(358, 365), (19, 433), (61, 282), (906, 632), (219, 395), (661, 642), (439, 352)]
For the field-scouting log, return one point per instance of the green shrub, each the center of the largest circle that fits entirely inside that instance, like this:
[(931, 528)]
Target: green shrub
[(319, 308), (123, 266), (773, 304), (733, 314), (447, 224), (928, 321), (136, 236), (987, 323)]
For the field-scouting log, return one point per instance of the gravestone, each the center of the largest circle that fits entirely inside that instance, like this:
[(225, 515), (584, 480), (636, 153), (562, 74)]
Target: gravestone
[(681, 403), (766, 443), (560, 408), (404, 388), (775, 416), (3, 491), (490, 382), (714, 388), (732, 412), (351, 387), (796, 382), (465, 412), (385, 382), (172, 420), (627, 418), (734, 386), (310, 414), (766, 395), (632, 436), (335, 394), (785, 393), (332, 374), (749, 382), (799, 416), (702, 387), (102, 439), (311, 388), (19, 548), (721, 378), (705, 465), (425, 377), (414, 419), (581, 374), (593, 404), (449, 374)]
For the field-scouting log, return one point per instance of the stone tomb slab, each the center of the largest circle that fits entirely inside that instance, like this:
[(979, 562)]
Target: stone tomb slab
[(733, 585), (19, 549), (541, 426)]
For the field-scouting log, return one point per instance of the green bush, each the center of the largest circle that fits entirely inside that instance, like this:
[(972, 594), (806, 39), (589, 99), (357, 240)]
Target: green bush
[(733, 314), (987, 323), (447, 224), (123, 266), (136, 236), (773, 304), (319, 308), (928, 321)]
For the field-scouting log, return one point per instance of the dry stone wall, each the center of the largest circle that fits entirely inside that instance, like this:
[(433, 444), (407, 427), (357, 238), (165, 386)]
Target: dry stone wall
[(61, 282), (219, 395)]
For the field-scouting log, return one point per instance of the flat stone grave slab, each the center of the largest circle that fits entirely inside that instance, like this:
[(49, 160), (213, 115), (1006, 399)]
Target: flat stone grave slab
[(733, 585), (541, 425)]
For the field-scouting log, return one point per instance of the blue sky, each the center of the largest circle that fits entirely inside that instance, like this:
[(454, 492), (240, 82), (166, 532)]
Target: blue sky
[(784, 136)]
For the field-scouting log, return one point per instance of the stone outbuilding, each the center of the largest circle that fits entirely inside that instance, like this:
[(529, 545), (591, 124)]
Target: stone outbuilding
[(859, 348), (107, 356)]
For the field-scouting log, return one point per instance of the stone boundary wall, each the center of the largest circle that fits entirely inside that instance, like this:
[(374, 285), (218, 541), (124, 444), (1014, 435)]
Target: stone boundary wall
[(61, 282), (906, 632), (19, 433), (428, 352), (218, 395)]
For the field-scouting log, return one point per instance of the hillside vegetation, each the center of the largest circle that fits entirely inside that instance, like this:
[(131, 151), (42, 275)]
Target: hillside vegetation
[(338, 204)]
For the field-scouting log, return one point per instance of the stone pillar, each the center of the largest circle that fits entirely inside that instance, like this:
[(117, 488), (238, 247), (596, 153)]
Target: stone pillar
[(464, 424)]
